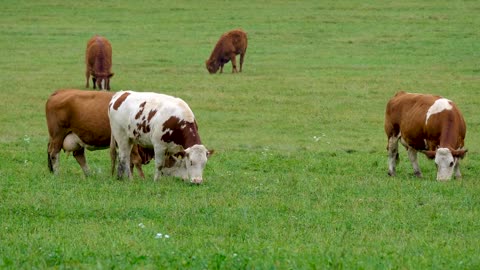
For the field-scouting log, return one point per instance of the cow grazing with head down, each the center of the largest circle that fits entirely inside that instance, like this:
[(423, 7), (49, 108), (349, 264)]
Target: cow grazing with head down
[(161, 122), (228, 46), (430, 124), (98, 59), (78, 120)]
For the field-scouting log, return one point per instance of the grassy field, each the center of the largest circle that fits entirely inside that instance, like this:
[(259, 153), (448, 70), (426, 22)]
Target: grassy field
[(299, 178)]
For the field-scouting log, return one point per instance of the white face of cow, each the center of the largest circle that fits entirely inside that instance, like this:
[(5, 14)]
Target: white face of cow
[(191, 166), (445, 164), (195, 161)]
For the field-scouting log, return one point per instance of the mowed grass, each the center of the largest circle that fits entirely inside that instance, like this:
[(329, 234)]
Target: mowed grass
[(298, 179)]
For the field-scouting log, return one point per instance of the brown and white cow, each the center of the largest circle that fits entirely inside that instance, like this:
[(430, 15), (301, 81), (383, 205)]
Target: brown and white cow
[(78, 120), (98, 60), (228, 46), (430, 124), (161, 122)]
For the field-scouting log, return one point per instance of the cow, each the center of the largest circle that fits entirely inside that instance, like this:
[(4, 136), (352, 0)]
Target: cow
[(429, 124), (98, 60), (228, 46), (78, 120), (160, 122)]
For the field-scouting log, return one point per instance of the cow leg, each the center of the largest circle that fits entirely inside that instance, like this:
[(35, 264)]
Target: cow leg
[(412, 155), (87, 74), (82, 161), (393, 158), (234, 62), (54, 147), (113, 154), (159, 160), (242, 55), (53, 155), (94, 82), (139, 169), (136, 161), (456, 169), (221, 68), (124, 150)]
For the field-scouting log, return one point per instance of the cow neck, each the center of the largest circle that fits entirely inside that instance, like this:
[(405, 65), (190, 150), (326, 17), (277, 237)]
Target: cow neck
[(190, 135), (180, 132), (450, 133), (101, 57)]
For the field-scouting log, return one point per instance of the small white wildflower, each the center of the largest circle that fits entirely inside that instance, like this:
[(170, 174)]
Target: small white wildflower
[(141, 225), (167, 236), (159, 235)]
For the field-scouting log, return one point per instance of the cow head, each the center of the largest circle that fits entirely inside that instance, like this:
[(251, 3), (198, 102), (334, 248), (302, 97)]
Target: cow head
[(212, 66), (446, 161), (102, 80), (188, 164)]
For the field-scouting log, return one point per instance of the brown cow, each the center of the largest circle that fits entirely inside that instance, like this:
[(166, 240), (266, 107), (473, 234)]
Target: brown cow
[(78, 119), (98, 59), (430, 124), (228, 46)]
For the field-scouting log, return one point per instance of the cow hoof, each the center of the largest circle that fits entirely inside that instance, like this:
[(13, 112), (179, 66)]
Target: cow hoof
[(418, 174), (391, 174)]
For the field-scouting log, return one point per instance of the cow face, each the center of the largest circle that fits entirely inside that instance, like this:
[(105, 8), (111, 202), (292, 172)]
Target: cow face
[(188, 165), (102, 81), (212, 67), (196, 159), (446, 161)]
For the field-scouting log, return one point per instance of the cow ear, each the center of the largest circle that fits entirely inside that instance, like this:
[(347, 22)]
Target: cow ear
[(459, 153), (430, 154), (210, 153), (111, 75)]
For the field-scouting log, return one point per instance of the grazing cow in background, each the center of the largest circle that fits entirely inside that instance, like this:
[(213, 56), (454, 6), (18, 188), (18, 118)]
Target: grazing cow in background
[(161, 122), (98, 59), (78, 119), (228, 46), (430, 124)]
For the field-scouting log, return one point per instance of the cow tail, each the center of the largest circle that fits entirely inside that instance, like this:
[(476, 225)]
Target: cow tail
[(50, 165), (113, 153)]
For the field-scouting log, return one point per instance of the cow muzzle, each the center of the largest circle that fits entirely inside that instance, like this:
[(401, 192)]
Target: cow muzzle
[(444, 174), (196, 180)]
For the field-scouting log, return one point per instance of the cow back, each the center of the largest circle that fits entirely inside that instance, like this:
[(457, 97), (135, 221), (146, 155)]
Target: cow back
[(411, 115), (99, 55), (65, 110), (148, 118), (233, 41)]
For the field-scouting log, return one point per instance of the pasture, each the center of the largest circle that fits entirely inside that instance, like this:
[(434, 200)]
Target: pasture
[(299, 175)]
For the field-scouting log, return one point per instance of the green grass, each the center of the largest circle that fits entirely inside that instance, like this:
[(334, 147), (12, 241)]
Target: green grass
[(299, 178)]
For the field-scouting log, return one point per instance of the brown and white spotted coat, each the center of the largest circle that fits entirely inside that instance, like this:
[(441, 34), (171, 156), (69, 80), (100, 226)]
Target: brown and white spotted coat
[(161, 122), (430, 124)]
